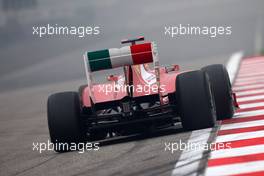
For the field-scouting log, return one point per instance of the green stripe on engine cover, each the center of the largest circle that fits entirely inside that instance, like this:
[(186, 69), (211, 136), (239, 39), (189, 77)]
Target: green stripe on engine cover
[(99, 60)]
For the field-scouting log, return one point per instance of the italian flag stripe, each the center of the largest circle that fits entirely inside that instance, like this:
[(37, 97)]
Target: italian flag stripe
[(118, 57), (121, 57), (141, 51), (99, 60)]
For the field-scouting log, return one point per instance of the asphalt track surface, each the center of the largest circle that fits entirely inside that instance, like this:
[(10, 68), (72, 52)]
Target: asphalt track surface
[(33, 68)]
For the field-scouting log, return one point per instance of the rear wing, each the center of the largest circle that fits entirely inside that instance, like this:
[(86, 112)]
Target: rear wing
[(120, 57)]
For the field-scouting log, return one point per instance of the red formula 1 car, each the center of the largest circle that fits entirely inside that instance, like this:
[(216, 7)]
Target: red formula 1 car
[(146, 96)]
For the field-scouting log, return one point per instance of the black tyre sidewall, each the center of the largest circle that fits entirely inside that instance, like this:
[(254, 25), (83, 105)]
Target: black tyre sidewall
[(65, 123), (222, 90), (196, 105)]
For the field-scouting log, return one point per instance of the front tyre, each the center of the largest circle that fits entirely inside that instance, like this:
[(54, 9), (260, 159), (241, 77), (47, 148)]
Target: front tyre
[(65, 124), (195, 100)]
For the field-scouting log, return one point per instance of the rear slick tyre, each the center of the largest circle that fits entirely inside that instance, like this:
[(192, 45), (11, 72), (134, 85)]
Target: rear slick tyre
[(222, 90), (195, 100), (65, 124)]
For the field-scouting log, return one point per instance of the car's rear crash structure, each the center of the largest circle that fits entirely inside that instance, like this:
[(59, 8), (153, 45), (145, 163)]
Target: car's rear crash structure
[(195, 98)]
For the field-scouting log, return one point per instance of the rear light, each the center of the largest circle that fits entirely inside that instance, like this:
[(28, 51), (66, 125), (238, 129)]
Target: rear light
[(126, 107)]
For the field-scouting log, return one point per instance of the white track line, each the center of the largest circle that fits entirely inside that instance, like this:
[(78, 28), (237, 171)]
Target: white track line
[(189, 160), (233, 65), (239, 136), (259, 64), (250, 70), (250, 92), (253, 81), (257, 81), (250, 78), (256, 86), (249, 113), (251, 105), (237, 151), (250, 74), (242, 125), (233, 169), (252, 67), (252, 61), (258, 97)]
